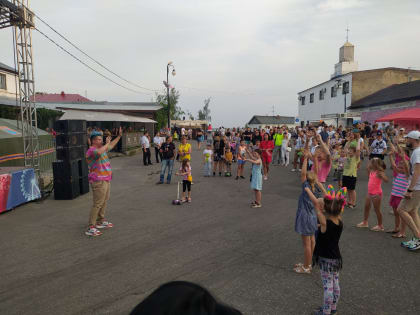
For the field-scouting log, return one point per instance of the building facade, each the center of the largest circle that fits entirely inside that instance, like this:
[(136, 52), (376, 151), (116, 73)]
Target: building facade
[(260, 122), (7, 83), (330, 101)]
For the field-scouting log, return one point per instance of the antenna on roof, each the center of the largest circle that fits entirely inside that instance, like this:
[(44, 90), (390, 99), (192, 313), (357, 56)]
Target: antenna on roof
[(347, 32)]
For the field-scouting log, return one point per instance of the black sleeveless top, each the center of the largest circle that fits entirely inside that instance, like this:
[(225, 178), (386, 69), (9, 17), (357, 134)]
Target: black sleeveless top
[(326, 245)]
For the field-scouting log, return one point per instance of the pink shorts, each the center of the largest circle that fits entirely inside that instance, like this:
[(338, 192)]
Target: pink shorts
[(394, 202)]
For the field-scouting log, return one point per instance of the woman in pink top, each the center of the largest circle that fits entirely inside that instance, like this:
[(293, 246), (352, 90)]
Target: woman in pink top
[(376, 170), (322, 160)]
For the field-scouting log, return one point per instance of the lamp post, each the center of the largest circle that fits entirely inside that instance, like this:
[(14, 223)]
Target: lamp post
[(168, 66)]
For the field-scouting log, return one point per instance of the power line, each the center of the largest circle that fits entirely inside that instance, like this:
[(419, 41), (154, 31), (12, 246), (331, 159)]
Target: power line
[(86, 65), (91, 58)]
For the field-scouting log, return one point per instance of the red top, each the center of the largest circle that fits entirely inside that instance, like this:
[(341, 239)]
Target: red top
[(267, 145)]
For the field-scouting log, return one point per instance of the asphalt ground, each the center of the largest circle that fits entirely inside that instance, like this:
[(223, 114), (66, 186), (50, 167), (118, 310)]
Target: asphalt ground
[(242, 255)]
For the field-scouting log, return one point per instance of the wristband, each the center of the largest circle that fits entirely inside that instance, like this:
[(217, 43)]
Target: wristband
[(409, 190)]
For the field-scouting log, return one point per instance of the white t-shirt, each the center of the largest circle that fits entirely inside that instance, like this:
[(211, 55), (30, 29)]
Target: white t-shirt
[(415, 159), (207, 154), (157, 141), (378, 147), (145, 142), (286, 140)]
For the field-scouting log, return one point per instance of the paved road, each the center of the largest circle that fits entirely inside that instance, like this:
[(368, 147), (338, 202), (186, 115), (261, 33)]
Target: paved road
[(243, 255)]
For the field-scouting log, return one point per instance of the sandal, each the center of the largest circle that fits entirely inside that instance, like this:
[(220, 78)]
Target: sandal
[(362, 225), (302, 269), (398, 235), (377, 228), (392, 232), (189, 199), (301, 265)]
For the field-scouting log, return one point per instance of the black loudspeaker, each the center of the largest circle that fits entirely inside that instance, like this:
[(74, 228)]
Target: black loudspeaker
[(84, 185), (66, 180), (71, 139), (83, 168), (70, 153), (68, 126)]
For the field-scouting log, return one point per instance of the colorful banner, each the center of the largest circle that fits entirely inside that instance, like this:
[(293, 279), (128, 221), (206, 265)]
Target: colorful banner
[(18, 188)]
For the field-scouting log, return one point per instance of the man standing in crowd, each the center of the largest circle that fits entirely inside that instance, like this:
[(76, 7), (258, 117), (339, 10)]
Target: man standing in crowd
[(167, 150), (378, 146), (100, 175), (145, 144), (278, 140), (156, 144), (409, 206)]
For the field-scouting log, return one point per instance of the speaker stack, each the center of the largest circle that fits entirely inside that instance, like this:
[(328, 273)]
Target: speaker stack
[(70, 171)]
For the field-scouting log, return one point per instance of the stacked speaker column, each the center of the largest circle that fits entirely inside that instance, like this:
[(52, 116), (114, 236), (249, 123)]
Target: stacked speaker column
[(70, 171)]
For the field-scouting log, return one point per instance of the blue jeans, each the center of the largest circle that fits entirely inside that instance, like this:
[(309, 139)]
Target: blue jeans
[(207, 168), (166, 164)]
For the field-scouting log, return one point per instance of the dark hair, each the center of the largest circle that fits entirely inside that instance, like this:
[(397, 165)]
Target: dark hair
[(258, 151), (333, 206), (182, 298)]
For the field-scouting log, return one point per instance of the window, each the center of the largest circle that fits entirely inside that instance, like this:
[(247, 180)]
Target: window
[(2, 81), (346, 87), (333, 91), (311, 98), (302, 99), (322, 94)]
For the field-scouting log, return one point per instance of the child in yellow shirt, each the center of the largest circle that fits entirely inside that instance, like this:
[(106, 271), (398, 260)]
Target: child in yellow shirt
[(228, 159)]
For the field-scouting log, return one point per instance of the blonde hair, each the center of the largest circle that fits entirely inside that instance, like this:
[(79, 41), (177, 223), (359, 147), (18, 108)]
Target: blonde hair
[(311, 178)]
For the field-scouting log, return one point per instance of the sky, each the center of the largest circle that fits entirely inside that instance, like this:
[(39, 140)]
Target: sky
[(250, 57)]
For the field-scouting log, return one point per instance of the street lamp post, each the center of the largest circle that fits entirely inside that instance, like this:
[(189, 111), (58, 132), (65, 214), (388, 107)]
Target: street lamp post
[(168, 66)]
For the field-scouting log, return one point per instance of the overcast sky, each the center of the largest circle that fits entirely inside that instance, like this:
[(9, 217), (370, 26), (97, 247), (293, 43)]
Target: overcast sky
[(247, 55)]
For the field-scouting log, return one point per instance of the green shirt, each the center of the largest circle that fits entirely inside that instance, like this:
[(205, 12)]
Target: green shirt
[(350, 167), (278, 139)]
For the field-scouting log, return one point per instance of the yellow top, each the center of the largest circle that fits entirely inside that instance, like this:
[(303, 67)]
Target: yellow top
[(229, 156), (185, 148)]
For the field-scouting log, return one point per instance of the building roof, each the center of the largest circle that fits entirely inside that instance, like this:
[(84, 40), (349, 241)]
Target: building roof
[(396, 93), (60, 98), (7, 68), (100, 106), (370, 70), (271, 120), (102, 116)]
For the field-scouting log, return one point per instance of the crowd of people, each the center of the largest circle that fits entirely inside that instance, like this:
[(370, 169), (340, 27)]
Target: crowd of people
[(323, 155)]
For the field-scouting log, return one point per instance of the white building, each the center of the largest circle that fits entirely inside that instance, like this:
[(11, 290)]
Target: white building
[(7, 84), (329, 101)]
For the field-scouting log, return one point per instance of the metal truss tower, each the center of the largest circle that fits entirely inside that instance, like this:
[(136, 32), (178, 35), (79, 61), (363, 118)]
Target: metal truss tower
[(16, 13)]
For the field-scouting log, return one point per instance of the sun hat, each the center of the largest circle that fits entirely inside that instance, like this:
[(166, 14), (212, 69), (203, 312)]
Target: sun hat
[(415, 134)]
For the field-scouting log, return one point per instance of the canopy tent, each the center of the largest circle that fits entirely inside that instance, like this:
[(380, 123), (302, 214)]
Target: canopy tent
[(102, 116), (189, 123), (407, 118)]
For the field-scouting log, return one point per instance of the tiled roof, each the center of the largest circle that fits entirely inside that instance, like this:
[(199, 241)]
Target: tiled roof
[(393, 94), (271, 120), (60, 98)]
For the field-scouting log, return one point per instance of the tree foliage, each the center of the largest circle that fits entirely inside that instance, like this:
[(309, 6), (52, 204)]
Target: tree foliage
[(204, 114), (176, 112)]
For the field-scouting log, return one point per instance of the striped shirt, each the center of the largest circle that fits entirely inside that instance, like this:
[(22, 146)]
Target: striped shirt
[(399, 185), (99, 165)]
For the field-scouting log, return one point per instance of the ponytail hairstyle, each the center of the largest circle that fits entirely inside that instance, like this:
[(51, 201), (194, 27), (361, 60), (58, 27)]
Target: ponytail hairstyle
[(334, 202), (184, 164)]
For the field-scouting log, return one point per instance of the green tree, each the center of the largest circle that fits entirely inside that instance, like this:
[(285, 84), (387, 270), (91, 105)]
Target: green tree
[(204, 114), (176, 112)]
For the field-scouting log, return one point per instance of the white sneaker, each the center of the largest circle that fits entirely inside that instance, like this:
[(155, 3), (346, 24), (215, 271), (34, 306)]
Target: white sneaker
[(265, 177), (293, 170), (93, 232), (300, 170)]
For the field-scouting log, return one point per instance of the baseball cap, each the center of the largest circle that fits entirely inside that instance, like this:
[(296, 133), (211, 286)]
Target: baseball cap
[(415, 134), (402, 129), (379, 133)]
